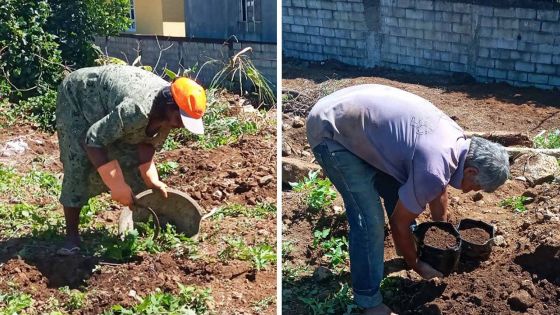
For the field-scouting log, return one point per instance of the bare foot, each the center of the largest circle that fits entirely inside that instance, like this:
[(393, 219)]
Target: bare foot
[(380, 309)]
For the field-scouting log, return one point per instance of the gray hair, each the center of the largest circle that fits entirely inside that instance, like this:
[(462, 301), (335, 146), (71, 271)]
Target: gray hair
[(492, 162)]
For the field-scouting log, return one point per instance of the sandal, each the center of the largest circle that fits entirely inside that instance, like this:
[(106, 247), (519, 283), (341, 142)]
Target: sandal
[(68, 251)]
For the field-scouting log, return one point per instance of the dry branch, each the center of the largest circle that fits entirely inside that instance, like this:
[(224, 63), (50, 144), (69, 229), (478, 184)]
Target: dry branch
[(514, 152)]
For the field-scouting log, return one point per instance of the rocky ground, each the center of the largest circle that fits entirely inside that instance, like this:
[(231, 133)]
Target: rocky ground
[(522, 274)]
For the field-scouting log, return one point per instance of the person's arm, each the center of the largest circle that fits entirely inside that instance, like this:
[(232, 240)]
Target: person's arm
[(439, 208), (402, 236), (148, 169)]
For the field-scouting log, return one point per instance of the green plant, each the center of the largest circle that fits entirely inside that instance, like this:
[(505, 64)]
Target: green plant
[(287, 248), (171, 143), (166, 168), (40, 110), (29, 55), (14, 302), (93, 207), (515, 203), (337, 303), (76, 299), (261, 255), (189, 301), (75, 23), (240, 70), (548, 141), (390, 288), (320, 192), (335, 249), (263, 304), (46, 181)]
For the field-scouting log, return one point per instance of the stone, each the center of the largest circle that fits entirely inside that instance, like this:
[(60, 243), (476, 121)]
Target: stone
[(520, 301), (479, 203), (500, 241), (286, 149), (478, 196), (294, 170), (455, 200), (217, 195), (322, 273), (537, 168), (15, 147), (298, 122), (265, 180)]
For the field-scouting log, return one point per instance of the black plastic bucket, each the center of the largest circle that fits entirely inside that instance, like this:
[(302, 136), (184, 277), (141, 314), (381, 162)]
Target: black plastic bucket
[(443, 260), (473, 250)]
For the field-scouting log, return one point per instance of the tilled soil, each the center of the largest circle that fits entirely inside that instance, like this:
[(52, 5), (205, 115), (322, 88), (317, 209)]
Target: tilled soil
[(522, 274), (439, 238), (244, 173), (475, 235)]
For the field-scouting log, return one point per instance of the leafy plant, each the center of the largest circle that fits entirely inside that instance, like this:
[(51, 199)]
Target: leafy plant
[(261, 255), (335, 249), (390, 288), (241, 70), (76, 299), (263, 304), (515, 203), (93, 207), (40, 110), (548, 141), (320, 192), (189, 301), (166, 168), (14, 302), (337, 303)]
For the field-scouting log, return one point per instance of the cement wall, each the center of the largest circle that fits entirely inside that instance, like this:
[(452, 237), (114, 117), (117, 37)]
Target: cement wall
[(518, 45), (187, 53)]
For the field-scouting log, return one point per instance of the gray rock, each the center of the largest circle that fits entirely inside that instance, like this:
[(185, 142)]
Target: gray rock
[(286, 149), (298, 122), (294, 170), (322, 273), (500, 241), (538, 168), (479, 203), (265, 180), (520, 301)]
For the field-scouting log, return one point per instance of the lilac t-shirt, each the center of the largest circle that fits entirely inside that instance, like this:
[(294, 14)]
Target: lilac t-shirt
[(397, 132)]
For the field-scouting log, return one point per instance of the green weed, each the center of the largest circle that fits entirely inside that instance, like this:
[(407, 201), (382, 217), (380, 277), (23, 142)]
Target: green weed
[(337, 303), (262, 305), (14, 302), (93, 207), (548, 141), (335, 249), (390, 288), (515, 203), (76, 299), (166, 168), (261, 255), (287, 248), (189, 301), (320, 192)]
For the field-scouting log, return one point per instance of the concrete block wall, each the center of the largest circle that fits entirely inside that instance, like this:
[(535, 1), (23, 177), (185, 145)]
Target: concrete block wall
[(517, 45), (178, 53), (325, 29)]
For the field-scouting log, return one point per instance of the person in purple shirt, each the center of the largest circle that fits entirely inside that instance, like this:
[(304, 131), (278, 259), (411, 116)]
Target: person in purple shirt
[(377, 141)]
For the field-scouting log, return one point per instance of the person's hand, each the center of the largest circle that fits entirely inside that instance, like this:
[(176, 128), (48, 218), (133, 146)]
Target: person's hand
[(112, 176), (426, 271), (160, 186)]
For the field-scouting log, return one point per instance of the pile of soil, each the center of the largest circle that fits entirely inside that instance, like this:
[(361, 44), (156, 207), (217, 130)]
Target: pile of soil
[(475, 235), (439, 238)]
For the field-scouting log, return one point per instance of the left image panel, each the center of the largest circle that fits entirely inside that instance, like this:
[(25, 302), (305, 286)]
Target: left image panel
[(138, 157)]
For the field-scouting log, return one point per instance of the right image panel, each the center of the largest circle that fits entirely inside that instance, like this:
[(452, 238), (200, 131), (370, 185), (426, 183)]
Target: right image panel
[(420, 170)]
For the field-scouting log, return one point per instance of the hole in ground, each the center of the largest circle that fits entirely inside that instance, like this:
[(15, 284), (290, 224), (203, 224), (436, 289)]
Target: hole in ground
[(543, 262)]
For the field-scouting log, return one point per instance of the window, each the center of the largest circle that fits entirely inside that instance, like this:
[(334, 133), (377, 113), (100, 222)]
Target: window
[(251, 10), (132, 27)]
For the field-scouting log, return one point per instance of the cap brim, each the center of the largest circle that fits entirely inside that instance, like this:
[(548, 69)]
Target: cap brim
[(193, 125)]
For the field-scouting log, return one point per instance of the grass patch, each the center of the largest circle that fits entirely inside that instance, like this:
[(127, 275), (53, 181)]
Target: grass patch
[(76, 299), (15, 302), (189, 301), (550, 140), (320, 193), (515, 203)]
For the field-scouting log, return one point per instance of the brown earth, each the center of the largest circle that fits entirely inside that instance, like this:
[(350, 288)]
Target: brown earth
[(237, 170), (439, 238), (475, 235), (521, 276)]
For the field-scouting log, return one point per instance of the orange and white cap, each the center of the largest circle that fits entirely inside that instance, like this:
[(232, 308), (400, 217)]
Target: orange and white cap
[(191, 99)]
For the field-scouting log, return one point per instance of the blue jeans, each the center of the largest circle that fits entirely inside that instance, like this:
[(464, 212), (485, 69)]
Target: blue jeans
[(361, 185)]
